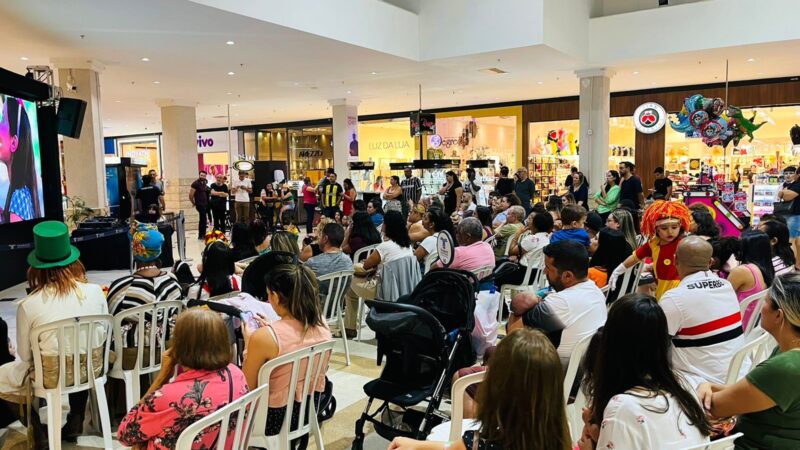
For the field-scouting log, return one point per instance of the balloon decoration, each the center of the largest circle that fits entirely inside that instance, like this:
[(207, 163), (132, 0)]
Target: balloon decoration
[(558, 142), (711, 120)]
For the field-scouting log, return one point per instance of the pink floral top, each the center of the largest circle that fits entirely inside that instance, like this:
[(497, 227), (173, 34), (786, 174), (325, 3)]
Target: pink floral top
[(161, 416)]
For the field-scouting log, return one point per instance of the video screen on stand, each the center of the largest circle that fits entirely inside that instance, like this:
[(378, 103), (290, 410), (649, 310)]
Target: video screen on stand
[(21, 195)]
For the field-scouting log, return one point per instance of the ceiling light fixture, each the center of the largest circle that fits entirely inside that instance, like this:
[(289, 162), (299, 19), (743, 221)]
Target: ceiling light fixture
[(540, 82), (373, 73), (145, 59), (349, 92), (636, 72), (156, 82), (117, 101), (751, 60), (229, 93), (24, 58), (231, 73), (230, 43)]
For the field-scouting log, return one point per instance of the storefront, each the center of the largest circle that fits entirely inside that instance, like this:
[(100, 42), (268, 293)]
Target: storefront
[(145, 148)]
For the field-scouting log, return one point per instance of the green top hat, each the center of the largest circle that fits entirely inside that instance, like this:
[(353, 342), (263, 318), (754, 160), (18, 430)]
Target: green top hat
[(51, 247)]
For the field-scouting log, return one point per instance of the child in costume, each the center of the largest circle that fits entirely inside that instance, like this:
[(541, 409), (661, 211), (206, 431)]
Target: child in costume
[(665, 223)]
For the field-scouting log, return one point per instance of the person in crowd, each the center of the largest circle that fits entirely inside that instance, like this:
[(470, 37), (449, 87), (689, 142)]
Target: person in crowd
[(451, 191), (346, 221), (704, 225), (506, 202), (270, 200), (416, 230), (309, 203), (576, 308), (525, 189), (393, 195), (530, 416), (703, 316), (323, 182), (242, 245), (592, 225), (241, 190), (289, 226), (206, 380), (636, 400), (338, 217), (149, 195), (766, 400), (607, 198), (568, 199), (471, 253), (284, 241), (348, 197), (572, 226), (467, 205), (332, 259), (435, 221), (148, 284), (789, 193), (155, 179), (258, 233), (412, 190), (217, 273), (396, 245), (484, 214), (311, 243), (568, 180), (506, 231), (377, 186), (554, 206), (17, 153), (504, 184), (218, 191), (630, 185), (375, 211), (471, 186), (755, 272), (621, 220), (287, 202), (198, 196), (612, 249), (666, 223), (783, 258), (662, 186), (723, 255), (360, 234), (580, 190), (529, 248)]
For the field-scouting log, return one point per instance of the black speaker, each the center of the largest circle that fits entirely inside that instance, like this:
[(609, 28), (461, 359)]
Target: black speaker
[(70, 117)]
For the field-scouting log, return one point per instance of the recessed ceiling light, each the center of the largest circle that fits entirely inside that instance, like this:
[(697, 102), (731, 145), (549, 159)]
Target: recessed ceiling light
[(24, 58), (230, 42), (231, 73), (373, 73), (751, 59), (145, 59), (636, 72), (117, 101), (296, 83), (759, 73), (540, 82), (229, 93), (349, 92), (156, 82), (653, 83)]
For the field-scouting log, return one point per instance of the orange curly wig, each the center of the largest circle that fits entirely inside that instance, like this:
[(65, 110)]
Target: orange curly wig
[(661, 210)]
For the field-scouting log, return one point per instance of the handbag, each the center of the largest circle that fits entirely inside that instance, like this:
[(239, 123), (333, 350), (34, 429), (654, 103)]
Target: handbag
[(782, 208)]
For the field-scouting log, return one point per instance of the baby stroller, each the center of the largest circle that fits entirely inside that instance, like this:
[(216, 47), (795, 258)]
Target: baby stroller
[(425, 338)]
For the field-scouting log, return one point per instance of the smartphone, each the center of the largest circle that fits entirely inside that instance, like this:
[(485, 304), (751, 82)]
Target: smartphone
[(248, 317)]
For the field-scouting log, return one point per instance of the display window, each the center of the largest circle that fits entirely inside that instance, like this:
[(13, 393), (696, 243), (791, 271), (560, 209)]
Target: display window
[(552, 152), (383, 142), (145, 148), (467, 137), (214, 163), (311, 152), (621, 141)]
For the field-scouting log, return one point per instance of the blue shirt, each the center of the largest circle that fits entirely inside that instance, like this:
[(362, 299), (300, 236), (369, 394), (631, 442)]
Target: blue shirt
[(574, 234), (377, 219)]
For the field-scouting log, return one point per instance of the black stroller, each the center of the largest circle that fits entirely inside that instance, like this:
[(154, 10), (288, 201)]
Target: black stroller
[(425, 338)]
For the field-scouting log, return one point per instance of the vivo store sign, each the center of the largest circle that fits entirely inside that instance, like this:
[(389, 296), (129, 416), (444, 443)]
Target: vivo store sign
[(217, 142)]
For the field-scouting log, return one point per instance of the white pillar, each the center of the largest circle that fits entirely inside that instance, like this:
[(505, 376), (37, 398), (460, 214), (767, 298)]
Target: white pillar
[(595, 111), (179, 150), (84, 164), (345, 131)]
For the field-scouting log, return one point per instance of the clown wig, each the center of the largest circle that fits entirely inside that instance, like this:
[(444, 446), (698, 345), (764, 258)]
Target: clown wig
[(661, 210)]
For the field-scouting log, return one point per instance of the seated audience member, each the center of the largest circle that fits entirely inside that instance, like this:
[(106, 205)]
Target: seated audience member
[(703, 224), (636, 400), (526, 360), (612, 249), (362, 233), (217, 273), (506, 202), (416, 230), (592, 225), (359, 205), (767, 400), (703, 316), (467, 204), (484, 214), (755, 272), (206, 381), (572, 219), (783, 258), (289, 227), (242, 242), (148, 284), (504, 232), (723, 258), (294, 293), (58, 290), (332, 259), (471, 253), (575, 310), (435, 221), (258, 232), (529, 248), (621, 220), (375, 211), (311, 245), (284, 241)]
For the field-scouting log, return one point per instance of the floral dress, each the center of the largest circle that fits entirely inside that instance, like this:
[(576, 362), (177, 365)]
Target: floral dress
[(158, 420)]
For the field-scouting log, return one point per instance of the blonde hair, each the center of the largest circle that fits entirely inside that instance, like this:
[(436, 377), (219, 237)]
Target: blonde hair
[(785, 295), (283, 241), (58, 280)]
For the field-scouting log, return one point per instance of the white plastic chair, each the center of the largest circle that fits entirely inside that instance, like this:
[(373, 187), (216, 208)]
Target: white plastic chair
[(239, 413), (574, 410), (527, 285), (297, 360), (338, 284), (152, 326), (357, 257), (719, 444), (76, 337), (430, 260), (491, 240), (457, 397), (758, 298), (754, 348), (630, 280), (483, 272)]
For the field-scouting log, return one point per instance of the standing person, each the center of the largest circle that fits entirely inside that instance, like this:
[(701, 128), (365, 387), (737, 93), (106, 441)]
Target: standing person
[(504, 184), (607, 198), (331, 196), (156, 182), (580, 190), (630, 186), (393, 195), (242, 188), (789, 193), (452, 192), (219, 202), (662, 187), (287, 202), (309, 203), (269, 200), (525, 189), (568, 181), (198, 195), (737, 178), (471, 186), (412, 190), (348, 197), (149, 195)]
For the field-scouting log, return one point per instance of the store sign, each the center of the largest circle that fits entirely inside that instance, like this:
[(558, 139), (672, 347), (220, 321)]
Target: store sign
[(435, 141), (352, 133), (217, 142), (389, 145), (444, 248), (649, 118)]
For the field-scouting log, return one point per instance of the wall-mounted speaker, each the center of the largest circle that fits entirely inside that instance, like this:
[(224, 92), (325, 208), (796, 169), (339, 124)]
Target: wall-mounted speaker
[(70, 117)]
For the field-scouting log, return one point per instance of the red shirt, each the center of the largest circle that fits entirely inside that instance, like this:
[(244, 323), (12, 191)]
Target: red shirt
[(309, 198), (663, 262)]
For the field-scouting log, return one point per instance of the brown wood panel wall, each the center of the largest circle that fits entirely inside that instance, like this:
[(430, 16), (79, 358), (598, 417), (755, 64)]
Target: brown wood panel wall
[(649, 155)]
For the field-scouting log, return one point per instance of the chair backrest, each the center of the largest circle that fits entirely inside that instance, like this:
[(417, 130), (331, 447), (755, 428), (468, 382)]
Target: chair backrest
[(575, 409), (755, 317), (83, 346), (430, 260), (720, 444), (364, 252), (153, 323), (297, 360), (457, 397), (483, 272), (398, 277), (219, 297), (630, 281), (338, 283), (753, 348), (508, 245), (491, 240), (239, 413)]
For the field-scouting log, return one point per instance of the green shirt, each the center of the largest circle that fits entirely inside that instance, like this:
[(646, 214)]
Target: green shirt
[(777, 428), (504, 233), (611, 200)]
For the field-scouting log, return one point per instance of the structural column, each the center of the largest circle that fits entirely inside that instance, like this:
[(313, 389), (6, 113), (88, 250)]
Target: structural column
[(345, 134), (179, 152), (595, 111), (84, 164)]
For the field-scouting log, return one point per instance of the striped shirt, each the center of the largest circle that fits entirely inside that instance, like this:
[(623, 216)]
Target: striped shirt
[(780, 266), (331, 195), (133, 290), (412, 189)]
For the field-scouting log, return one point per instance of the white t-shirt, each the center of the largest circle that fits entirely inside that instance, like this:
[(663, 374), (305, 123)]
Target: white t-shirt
[(704, 319), (568, 316), (242, 195), (635, 421), (429, 243), (533, 245), (389, 251)]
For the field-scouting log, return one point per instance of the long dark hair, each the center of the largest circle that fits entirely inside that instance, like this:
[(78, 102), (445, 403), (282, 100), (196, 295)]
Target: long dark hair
[(364, 228), (348, 184), (377, 205), (634, 352), (706, 225), (218, 266), (484, 215), (754, 248), (615, 175), (612, 249), (22, 170), (298, 291), (242, 242), (441, 221), (782, 247), (394, 227)]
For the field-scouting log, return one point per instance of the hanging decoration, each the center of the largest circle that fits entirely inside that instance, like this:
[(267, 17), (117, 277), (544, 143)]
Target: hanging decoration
[(713, 122), (558, 142)]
